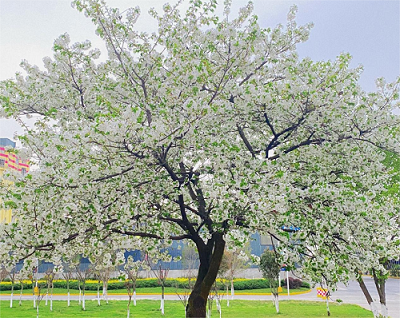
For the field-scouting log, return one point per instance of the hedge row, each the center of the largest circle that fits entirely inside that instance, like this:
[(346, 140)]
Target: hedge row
[(179, 283)]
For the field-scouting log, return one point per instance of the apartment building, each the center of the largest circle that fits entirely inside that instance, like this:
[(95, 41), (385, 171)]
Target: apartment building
[(9, 161)]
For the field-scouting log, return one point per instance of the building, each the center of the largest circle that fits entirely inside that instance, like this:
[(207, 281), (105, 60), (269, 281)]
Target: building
[(9, 161)]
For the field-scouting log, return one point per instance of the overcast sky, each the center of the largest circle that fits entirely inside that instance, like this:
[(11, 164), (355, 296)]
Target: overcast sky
[(369, 30)]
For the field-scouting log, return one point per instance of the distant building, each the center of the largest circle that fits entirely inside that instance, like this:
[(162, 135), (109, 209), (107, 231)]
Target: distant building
[(10, 161), (5, 142)]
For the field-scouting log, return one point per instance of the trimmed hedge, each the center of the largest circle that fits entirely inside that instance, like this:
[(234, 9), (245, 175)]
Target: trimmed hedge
[(239, 284)]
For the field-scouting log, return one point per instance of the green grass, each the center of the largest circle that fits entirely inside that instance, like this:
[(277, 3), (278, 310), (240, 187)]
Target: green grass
[(144, 290), (175, 309)]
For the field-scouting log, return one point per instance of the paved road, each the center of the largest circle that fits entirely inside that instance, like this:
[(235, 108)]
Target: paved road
[(353, 294), (350, 294)]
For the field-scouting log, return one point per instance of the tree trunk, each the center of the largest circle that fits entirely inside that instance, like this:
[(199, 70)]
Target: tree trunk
[(276, 302), (20, 294), (69, 297), (210, 259), (105, 290), (83, 296), (209, 308), (227, 296), (327, 303), (51, 297), (12, 294), (47, 294), (33, 293), (98, 294), (162, 299), (80, 293), (129, 303), (380, 284), (367, 295)]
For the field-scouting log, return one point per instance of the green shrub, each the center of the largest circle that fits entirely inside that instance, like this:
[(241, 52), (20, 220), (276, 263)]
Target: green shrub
[(395, 270), (305, 285), (8, 286), (240, 284), (251, 284)]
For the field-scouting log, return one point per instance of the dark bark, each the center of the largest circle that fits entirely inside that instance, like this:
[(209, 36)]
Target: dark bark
[(380, 282), (210, 260), (365, 290)]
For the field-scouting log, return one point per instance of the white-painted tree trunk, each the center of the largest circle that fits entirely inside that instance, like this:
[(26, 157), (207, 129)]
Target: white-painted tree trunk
[(209, 306), (128, 313), (98, 298), (51, 302), (134, 298), (37, 311), (379, 310), (327, 305), (219, 307), (11, 300), (80, 296), (162, 299), (105, 293), (83, 302), (20, 298), (162, 305), (69, 299), (227, 296), (47, 293), (232, 290), (374, 309), (384, 312), (276, 301)]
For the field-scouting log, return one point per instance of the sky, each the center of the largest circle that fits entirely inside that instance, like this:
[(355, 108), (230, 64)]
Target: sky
[(368, 29)]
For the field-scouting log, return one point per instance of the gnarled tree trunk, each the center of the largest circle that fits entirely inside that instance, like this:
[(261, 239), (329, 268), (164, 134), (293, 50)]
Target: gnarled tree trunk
[(210, 260)]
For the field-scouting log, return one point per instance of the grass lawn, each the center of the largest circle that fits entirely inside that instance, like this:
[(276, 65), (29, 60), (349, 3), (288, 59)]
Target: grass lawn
[(175, 309), (144, 290)]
